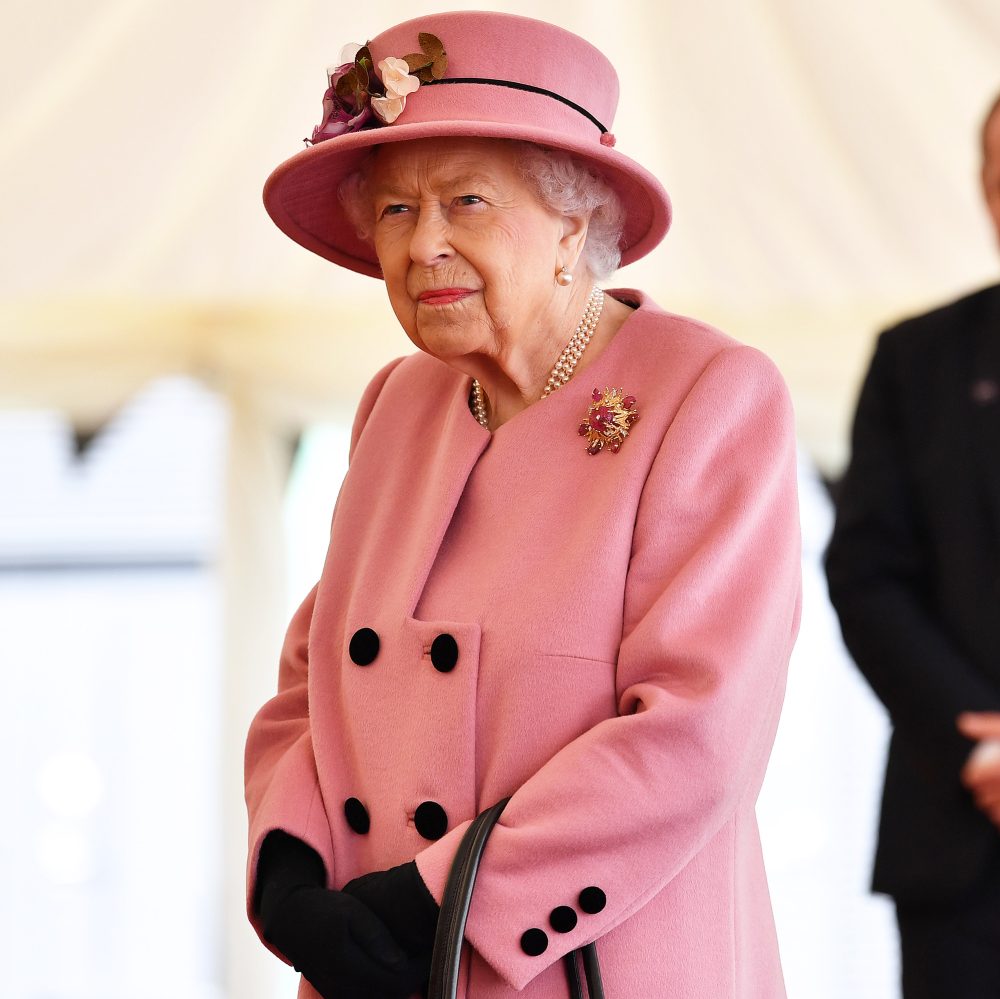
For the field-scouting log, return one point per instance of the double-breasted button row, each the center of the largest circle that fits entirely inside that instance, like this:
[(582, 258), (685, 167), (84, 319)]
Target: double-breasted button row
[(364, 648), (430, 819), (563, 919)]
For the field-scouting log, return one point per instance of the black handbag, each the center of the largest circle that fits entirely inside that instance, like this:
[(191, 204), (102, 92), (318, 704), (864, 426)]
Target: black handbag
[(454, 914)]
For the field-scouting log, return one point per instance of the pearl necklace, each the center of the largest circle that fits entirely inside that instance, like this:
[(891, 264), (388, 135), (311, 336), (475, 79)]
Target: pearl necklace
[(564, 366)]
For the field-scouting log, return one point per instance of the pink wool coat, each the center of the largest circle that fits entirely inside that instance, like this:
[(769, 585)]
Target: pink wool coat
[(605, 638)]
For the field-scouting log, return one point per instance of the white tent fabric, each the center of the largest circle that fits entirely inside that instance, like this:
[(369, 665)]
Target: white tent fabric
[(822, 156)]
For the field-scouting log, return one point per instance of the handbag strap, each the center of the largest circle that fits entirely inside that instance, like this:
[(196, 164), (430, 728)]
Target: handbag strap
[(455, 904), (450, 933), (573, 974), (592, 971)]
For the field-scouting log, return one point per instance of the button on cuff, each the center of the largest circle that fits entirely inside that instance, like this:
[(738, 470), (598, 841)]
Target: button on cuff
[(562, 919), (534, 942), (592, 900)]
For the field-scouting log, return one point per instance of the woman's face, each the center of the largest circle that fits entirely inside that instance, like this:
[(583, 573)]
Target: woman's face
[(468, 252)]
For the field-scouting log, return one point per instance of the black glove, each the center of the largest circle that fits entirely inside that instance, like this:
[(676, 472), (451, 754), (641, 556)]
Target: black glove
[(401, 900), (342, 948)]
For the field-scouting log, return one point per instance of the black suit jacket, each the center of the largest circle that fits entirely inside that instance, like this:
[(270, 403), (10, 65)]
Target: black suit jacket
[(914, 573)]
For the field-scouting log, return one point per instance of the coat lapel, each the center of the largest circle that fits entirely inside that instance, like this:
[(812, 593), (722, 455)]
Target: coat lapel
[(402, 503)]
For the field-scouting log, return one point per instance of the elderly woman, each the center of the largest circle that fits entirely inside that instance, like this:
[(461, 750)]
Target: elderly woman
[(564, 564)]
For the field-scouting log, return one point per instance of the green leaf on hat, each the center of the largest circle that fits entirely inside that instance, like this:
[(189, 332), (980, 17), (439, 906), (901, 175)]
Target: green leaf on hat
[(368, 81), (363, 66), (364, 58), (347, 85)]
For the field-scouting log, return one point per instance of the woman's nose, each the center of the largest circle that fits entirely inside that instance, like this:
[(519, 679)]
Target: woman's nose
[(429, 243)]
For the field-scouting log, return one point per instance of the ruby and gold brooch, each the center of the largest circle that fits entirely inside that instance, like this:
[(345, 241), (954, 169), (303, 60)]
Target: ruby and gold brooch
[(609, 420)]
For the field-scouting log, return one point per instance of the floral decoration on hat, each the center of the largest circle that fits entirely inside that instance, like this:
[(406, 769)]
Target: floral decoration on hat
[(610, 417), (358, 98), (431, 62)]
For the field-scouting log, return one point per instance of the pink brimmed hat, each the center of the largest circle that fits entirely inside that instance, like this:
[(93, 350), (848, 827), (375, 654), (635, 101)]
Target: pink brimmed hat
[(499, 76)]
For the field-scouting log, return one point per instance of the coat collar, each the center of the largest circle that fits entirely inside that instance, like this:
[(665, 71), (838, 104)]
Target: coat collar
[(423, 412)]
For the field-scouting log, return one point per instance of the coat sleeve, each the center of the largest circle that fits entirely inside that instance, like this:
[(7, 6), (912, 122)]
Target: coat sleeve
[(880, 577), (282, 788), (711, 609)]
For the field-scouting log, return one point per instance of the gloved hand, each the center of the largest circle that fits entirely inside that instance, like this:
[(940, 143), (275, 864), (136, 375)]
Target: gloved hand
[(342, 948), (401, 900)]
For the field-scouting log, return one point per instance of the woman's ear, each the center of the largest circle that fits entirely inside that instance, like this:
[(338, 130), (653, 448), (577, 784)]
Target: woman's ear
[(571, 243)]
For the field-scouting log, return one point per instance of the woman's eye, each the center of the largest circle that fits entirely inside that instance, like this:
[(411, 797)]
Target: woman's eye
[(469, 199), (394, 209)]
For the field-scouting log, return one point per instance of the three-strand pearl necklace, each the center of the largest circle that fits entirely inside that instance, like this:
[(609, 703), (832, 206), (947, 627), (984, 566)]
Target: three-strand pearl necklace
[(564, 366)]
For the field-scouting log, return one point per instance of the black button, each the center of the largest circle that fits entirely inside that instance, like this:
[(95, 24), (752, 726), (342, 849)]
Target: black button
[(431, 820), (444, 653), (534, 942), (592, 900), (364, 646), (357, 816), (562, 919)]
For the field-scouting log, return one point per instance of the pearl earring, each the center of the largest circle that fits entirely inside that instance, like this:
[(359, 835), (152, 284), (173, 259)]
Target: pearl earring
[(564, 277)]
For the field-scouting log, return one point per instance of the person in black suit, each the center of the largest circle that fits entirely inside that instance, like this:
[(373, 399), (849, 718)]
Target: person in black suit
[(914, 573)]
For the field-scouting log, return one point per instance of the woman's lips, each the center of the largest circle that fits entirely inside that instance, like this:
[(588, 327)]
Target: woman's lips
[(444, 296)]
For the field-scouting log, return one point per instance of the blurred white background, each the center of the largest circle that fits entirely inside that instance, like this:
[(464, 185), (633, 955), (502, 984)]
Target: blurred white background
[(177, 378)]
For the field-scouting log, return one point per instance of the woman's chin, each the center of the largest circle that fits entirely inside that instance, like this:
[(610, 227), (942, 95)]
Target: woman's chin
[(448, 339), (454, 354)]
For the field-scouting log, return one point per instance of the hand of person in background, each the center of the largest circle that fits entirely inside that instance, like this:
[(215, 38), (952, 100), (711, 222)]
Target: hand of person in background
[(342, 948), (981, 773)]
